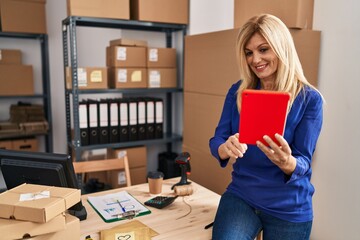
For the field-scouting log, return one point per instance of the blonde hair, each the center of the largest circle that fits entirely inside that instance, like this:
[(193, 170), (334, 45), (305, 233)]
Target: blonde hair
[(289, 75)]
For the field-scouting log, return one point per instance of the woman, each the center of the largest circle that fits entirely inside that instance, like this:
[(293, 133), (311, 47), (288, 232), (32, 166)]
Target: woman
[(270, 188)]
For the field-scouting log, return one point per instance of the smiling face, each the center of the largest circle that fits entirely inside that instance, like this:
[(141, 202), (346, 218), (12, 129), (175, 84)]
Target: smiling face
[(262, 60)]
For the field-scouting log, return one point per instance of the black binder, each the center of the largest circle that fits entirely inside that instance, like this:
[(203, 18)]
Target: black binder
[(141, 113), (103, 117), (123, 120), (133, 119), (83, 123), (93, 122), (159, 118), (113, 105), (150, 118)]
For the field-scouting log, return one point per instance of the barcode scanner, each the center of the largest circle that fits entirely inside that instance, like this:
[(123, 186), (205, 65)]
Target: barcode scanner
[(183, 159)]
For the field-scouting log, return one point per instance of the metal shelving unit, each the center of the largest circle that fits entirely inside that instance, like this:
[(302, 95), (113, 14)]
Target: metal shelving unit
[(72, 96), (45, 96)]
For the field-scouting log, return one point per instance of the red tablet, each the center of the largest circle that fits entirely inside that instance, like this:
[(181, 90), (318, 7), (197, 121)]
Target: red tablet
[(262, 113)]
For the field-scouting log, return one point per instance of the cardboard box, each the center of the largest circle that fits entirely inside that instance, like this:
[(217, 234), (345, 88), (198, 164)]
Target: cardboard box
[(127, 77), (295, 13), (137, 156), (307, 43), (128, 42), (23, 16), (13, 229), (161, 58), (27, 144), (162, 78), (125, 56), (89, 78), (10, 56), (137, 176), (218, 69), (175, 11), (16, 80), (201, 115), (207, 172), (25, 202), (5, 144), (118, 9), (72, 231)]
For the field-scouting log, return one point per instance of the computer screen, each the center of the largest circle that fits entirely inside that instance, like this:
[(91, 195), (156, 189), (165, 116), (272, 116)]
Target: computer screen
[(50, 169)]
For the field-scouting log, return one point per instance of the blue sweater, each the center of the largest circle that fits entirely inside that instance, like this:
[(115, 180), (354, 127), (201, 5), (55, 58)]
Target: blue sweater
[(256, 179)]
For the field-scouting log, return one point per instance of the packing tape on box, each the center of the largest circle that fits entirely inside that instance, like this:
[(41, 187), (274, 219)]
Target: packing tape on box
[(183, 190)]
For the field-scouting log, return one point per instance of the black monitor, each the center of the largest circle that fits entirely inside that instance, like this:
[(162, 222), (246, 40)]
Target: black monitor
[(50, 169)]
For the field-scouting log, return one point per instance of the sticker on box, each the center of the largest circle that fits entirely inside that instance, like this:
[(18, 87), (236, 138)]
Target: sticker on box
[(122, 75), (121, 54), (153, 55), (154, 79)]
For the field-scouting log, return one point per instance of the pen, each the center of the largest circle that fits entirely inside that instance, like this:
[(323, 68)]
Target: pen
[(122, 208), (209, 225)]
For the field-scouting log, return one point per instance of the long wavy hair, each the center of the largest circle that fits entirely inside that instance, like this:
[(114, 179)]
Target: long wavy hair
[(289, 75)]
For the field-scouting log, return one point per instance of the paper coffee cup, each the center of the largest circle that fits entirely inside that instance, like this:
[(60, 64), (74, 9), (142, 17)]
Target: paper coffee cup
[(155, 180)]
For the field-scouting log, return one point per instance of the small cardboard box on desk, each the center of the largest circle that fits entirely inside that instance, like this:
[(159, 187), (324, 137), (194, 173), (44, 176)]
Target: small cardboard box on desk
[(35, 210)]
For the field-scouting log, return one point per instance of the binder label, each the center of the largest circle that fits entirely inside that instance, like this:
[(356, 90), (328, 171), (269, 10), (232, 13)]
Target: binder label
[(123, 114), (141, 111), (113, 114), (154, 79), (132, 112), (150, 112), (103, 115), (121, 53), (93, 115), (122, 75), (159, 112), (83, 116)]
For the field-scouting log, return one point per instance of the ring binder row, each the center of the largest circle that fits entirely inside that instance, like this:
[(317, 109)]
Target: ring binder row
[(120, 120)]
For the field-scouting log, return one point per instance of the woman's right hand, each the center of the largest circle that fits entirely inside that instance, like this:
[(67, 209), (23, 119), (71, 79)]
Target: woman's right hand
[(232, 148)]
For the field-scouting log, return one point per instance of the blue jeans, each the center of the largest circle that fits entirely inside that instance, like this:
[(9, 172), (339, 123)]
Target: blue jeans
[(236, 220)]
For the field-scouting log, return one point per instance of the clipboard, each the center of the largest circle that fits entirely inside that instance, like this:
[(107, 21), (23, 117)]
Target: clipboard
[(262, 113), (116, 206)]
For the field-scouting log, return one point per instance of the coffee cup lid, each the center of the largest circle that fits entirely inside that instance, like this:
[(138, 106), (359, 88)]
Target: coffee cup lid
[(155, 174)]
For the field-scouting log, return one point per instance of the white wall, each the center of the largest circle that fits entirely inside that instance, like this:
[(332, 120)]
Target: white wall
[(337, 196)]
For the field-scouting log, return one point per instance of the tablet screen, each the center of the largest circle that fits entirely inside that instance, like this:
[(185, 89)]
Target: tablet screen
[(262, 113)]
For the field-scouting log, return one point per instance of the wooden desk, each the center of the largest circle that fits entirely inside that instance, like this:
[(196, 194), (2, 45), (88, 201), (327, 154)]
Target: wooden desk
[(170, 222)]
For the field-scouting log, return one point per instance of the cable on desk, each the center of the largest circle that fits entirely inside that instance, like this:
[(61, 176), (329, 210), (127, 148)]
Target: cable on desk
[(190, 209)]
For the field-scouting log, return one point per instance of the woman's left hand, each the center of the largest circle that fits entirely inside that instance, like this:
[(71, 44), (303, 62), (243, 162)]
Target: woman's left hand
[(279, 155)]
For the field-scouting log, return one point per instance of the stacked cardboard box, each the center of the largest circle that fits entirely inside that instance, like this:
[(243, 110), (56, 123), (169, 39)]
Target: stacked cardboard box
[(126, 60), (175, 11), (117, 9), (211, 68), (161, 63), (38, 212), (88, 78), (15, 78), (23, 16)]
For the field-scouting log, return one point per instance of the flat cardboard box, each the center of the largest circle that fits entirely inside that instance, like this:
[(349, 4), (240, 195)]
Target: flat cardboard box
[(218, 69), (13, 229), (10, 56), (127, 78), (161, 58), (16, 80), (125, 56), (201, 115), (137, 176), (23, 16), (307, 43), (165, 11), (206, 170), (162, 77), (89, 78), (21, 203), (118, 9), (27, 144), (128, 42), (72, 231), (294, 13), (6, 145)]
